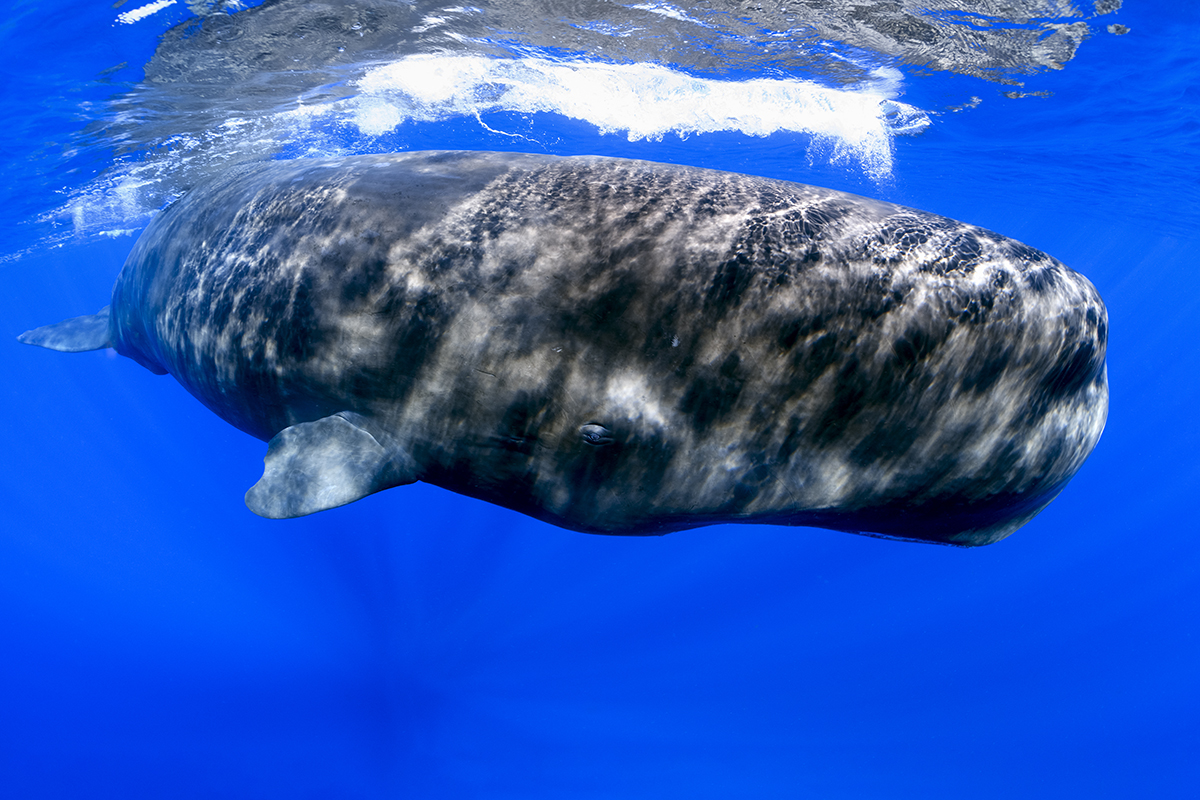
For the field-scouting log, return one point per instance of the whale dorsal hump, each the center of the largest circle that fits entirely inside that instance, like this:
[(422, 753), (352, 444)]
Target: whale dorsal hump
[(314, 466), (74, 335)]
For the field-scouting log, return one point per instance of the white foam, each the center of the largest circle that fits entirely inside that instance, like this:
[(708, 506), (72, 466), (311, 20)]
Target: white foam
[(668, 10), (643, 101), (141, 12)]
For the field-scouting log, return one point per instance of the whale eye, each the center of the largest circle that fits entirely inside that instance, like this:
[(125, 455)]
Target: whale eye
[(595, 434)]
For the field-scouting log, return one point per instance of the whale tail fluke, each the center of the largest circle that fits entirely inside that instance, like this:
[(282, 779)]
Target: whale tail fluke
[(332, 461), (74, 335)]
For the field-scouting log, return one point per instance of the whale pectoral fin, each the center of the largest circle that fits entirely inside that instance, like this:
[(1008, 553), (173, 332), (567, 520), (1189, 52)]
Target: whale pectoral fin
[(74, 335), (314, 466)]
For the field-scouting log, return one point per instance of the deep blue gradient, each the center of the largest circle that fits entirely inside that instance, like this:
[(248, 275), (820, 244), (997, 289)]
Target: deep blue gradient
[(158, 640)]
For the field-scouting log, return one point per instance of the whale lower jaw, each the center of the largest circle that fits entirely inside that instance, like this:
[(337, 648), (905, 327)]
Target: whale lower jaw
[(981, 524)]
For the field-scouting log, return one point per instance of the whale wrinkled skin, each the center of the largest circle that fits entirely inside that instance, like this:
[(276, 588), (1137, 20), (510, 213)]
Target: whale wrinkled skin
[(617, 346)]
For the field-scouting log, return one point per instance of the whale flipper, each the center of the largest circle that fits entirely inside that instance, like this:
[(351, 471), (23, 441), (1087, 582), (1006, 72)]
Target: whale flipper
[(74, 335), (314, 466)]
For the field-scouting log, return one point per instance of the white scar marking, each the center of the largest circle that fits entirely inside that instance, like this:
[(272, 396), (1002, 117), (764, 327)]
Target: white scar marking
[(630, 392)]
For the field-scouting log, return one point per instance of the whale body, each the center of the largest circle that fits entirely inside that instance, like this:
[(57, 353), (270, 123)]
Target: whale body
[(616, 346)]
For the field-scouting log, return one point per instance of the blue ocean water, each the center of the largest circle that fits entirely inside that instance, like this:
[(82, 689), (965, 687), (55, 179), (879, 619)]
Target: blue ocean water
[(159, 640)]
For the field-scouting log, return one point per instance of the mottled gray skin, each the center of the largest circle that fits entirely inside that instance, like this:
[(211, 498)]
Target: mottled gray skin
[(619, 346)]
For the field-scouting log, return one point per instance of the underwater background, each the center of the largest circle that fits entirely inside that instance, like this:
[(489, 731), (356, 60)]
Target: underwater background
[(159, 640)]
